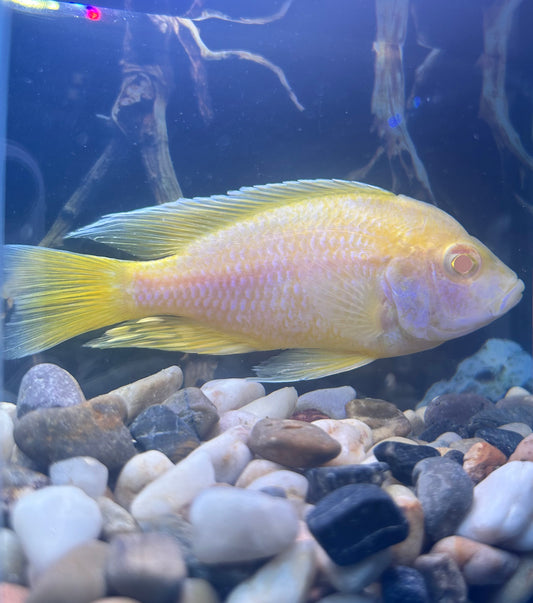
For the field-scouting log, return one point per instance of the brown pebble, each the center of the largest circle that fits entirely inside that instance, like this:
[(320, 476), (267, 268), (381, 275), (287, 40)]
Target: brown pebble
[(292, 443), (384, 418), (524, 450), (479, 563), (481, 459), (309, 415)]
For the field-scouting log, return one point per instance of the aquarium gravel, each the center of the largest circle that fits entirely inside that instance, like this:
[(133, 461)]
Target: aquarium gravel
[(157, 493)]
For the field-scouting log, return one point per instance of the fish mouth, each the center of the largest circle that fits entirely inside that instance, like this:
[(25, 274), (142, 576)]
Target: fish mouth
[(510, 298)]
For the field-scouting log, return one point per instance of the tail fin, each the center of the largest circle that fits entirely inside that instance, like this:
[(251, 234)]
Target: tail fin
[(53, 295)]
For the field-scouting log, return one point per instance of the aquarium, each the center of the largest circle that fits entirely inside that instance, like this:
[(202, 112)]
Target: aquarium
[(267, 315)]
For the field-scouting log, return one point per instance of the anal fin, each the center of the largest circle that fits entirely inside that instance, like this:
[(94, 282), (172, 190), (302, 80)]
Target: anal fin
[(172, 333), (302, 364)]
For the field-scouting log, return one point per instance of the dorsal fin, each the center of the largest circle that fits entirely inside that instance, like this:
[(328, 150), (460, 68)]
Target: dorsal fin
[(162, 230)]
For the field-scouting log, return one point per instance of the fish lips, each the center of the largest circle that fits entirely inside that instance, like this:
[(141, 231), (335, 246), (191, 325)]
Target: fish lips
[(509, 299)]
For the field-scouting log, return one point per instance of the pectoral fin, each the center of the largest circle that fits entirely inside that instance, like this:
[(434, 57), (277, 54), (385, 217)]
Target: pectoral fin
[(171, 333), (302, 364)]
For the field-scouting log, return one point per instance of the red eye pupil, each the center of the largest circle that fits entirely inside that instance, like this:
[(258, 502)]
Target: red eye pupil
[(462, 264)]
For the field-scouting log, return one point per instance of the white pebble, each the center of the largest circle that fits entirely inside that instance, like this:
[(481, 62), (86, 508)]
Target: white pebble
[(232, 418), (502, 512), (85, 472), (285, 579), (277, 405), (10, 408), (231, 525), (228, 453), (517, 391), (138, 472), (52, 521), (229, 394), (331, 401), (6, 436), (177, 487), (255, 469), (353, 435), (295, 485)]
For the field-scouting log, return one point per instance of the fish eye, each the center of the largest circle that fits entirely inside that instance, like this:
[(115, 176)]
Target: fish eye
[(462, 260)]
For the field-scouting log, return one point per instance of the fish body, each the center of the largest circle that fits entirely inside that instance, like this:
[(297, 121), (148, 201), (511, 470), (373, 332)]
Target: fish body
[(336, 273)]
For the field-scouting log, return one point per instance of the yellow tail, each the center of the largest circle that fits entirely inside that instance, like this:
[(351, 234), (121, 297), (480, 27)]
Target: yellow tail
[(52, 295)]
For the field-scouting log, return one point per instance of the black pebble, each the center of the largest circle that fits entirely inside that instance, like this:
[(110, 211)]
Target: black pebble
[(323, 480), (403, 584), (496, 416), (356, 521), (402, 458), (503, 439), (455, 455)]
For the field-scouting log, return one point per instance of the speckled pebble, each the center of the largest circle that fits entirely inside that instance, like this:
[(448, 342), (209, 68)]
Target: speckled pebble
[(54, 520), (231, 524), (331, 401), (194, 407), (356, 521), (137, 473), (230, 394), (154, 389), (84, 472), (76, 577), (480, 563), (481, 459), (445, 491), (292, 443), (94, 428), (149, 567), (47, 386), (323, 480)]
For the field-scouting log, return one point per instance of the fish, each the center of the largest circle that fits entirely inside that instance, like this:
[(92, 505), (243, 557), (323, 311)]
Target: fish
[(333, 273)]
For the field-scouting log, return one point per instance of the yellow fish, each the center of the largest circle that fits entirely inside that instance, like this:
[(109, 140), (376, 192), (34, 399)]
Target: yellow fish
[(335, 273)]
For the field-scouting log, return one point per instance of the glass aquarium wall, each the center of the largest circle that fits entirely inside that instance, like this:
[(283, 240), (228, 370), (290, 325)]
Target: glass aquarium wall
[(382, 265)]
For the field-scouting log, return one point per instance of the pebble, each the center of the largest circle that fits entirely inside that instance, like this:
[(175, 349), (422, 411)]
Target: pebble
[(232, 525), (450, 412), (519, 587), (292, 443), (445, 492), (504, 440), (13, 593), (194, 407), (6, 436), (151, 390), (481, 459), (402, 458), (416, 422), (444, 580), (17, 481), (93, 428), (521, 428), (52, 521), (228, 453), (323, 480), (285, 579), (230, 394), (496, 416), (115, 519), (159, 428), (137, 473), (354, 437), (280, 404), (354, 578), (256, 469), (480, 563), (524, 450), (384, 418), (292, 484), (356, 521), (84, 472), (47, 386), (465, 445), (405, 552), (76, 577), (309, 415), (446, 439), (197, 590), (331, 401), (174, 489), (12, 560), (502, 512), (401, 584), (149, 567)]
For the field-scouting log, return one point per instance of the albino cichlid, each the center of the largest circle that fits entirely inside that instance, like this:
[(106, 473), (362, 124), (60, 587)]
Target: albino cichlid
[(335, 273)]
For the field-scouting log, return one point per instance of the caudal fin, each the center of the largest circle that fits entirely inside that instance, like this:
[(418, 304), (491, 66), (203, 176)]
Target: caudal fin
[(52, 295)]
